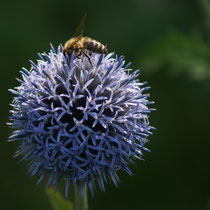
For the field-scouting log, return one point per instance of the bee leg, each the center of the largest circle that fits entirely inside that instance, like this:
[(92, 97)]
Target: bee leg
[(87, 57), (77, 53)]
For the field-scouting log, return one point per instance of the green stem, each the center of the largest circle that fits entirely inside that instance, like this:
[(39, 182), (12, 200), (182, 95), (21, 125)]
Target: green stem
[(81, 201)]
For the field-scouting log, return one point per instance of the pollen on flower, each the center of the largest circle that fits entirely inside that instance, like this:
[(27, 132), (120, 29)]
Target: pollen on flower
[(79, 121)]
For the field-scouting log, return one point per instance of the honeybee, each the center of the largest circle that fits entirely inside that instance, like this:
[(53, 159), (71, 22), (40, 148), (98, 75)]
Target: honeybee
[(79, 44)]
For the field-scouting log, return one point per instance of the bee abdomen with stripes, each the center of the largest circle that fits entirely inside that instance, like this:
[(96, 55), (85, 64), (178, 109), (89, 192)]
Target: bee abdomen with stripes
[(94, 46)]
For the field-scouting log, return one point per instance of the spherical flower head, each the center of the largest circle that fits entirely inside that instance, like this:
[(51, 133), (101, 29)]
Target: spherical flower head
[(78, 119)]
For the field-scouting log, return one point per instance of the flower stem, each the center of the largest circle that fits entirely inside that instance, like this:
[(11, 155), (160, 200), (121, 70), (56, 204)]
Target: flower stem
[(80, 198)]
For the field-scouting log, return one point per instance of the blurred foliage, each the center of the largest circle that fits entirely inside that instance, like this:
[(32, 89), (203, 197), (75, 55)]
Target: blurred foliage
[(58, 201), (180, 54)]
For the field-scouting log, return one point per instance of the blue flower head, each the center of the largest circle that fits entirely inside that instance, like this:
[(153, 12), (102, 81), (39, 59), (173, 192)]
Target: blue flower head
[(78, 120)]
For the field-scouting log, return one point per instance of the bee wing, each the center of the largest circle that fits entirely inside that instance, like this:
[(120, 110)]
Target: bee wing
[(80, 28)]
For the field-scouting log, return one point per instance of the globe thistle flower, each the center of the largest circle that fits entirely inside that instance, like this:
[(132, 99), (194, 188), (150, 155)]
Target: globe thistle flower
[(78, 120)]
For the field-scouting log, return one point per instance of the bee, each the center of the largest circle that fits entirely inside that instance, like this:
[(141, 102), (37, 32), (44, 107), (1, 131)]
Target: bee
[(79, 44)]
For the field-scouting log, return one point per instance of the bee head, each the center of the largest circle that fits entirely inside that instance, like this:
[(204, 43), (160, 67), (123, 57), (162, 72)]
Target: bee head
[(70, 46), (68, 51)]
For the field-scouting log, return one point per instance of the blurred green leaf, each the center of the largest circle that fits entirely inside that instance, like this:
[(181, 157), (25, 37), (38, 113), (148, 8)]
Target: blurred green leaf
[(180, 53), (57, 200)]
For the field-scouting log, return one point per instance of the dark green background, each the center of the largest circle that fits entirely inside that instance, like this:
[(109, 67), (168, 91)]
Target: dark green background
[(169, 41)]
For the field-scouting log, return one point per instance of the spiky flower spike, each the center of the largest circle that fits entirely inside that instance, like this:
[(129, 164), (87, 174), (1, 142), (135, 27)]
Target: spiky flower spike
[(79, 121)]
